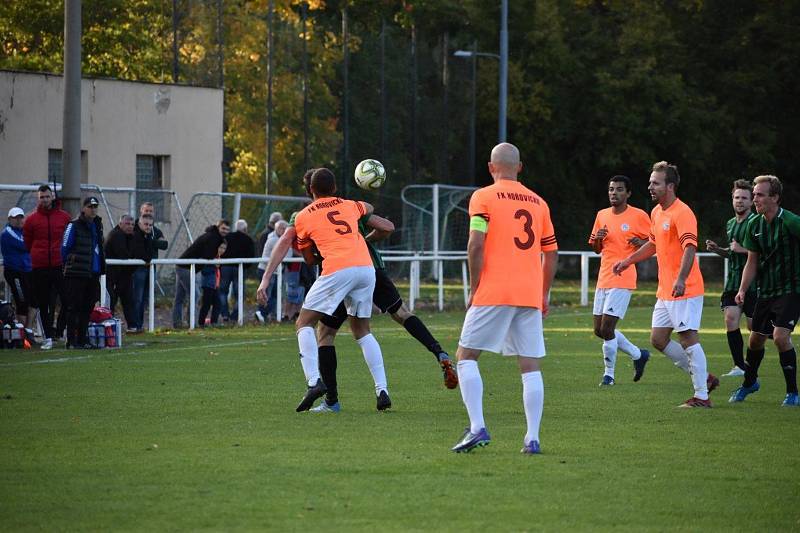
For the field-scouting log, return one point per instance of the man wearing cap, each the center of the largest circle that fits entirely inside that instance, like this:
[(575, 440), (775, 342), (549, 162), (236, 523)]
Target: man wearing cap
[(43, 231), (84, 262), (17, 264)]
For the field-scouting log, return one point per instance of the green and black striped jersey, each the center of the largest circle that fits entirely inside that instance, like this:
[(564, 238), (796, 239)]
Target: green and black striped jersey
[(377, 258), (736, 232), (778, 248)]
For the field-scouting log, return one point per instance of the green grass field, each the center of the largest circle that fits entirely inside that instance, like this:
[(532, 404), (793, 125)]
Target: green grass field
[(181, 431)]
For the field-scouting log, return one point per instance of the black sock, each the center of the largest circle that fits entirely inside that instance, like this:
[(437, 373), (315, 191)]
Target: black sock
[(754, 358), (327, 369), (736, 345), (789, 366), (418, 330)]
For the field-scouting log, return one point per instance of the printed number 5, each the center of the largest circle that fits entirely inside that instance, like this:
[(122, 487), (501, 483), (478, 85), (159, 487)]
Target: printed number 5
[(527, 227), (335, 222)]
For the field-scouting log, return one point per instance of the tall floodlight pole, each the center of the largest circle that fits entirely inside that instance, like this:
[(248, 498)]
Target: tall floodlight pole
[(270, 46), (304, 16), (501, 130), (71, 141), (174, 41), (473, 112), (384, 133), (345, 74)]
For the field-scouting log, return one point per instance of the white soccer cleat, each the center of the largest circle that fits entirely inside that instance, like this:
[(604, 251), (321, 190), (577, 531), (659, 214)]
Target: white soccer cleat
[(47, 344), (735, 372)]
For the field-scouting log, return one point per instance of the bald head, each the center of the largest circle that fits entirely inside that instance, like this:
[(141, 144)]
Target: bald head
[(505, 163)]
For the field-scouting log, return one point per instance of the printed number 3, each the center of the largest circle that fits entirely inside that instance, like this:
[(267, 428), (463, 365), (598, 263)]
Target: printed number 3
[(527, 227), (335, 222)]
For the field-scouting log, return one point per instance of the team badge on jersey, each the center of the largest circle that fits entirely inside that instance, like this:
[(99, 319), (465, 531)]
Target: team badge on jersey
[(665, 226), (624, 227)]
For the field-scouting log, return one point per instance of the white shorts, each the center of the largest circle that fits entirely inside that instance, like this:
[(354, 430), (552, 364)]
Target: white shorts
[(680, 315), (353, 285), (504, 329), (612, 302)]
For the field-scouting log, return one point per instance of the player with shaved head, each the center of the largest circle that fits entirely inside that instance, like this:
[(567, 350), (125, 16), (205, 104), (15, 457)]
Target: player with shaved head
[(510, 231)]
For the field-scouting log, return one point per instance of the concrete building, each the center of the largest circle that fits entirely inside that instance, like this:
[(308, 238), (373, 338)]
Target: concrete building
[(133, 134)]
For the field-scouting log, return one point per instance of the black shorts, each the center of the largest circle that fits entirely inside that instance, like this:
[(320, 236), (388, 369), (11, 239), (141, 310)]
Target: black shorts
[(728, 299), (385, 297), (20, 285), (779, 312)]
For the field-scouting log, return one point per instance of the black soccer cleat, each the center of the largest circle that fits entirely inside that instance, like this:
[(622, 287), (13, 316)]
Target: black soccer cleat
[(639, 364), (312, 394), (383, 402)]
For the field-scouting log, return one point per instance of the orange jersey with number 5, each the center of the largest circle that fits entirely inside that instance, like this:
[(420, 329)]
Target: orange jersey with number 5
[(519, 231), (332, 225)]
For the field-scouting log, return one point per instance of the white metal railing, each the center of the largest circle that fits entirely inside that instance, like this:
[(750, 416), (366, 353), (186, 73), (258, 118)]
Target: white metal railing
[(413, 258)]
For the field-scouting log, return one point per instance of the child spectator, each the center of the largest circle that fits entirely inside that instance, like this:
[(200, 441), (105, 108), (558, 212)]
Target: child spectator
[(210, 276)]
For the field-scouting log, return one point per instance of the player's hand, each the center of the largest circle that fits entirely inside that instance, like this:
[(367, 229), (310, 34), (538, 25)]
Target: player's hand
[(261, 293), (620, 266), (545, 308), (739, 298), (711, 246), (678, 288), (637, 242), (737, 248), (601, 233)]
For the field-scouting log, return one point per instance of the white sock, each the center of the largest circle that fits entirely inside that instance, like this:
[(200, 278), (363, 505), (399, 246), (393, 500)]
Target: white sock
[(610, 356), (309, 357), (699, 372), (675, 351), (374, 358), (627, 346), (533, 401), (471, 385)]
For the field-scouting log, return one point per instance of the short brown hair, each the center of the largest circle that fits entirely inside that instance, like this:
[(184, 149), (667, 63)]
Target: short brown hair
[(670, 171), (742, 185), (775, 186)]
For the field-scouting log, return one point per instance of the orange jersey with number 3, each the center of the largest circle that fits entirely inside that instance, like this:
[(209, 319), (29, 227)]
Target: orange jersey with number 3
[(632, 222), (332, 225), (519, 231), (672, 230)]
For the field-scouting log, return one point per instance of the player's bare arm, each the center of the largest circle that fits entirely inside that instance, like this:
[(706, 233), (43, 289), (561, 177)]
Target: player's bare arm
[(368, 208), (597, 243), (310, 257), (549, 267), (715, 248), (737, 248), (748, 275), (687, 261), (637, 242), (282, 248), (381, 228), (475, 245), (646, 251)]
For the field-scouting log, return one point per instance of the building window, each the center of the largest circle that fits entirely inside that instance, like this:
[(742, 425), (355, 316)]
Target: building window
[(55, 166), (152, 184)]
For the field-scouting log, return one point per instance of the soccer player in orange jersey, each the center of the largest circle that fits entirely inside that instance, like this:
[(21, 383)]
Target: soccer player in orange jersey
[(679, 304), (331, 224), (510, 230), (618, 230)]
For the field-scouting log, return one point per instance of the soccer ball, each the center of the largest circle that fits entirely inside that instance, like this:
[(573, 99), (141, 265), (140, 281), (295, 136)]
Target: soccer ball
[(370, 174)]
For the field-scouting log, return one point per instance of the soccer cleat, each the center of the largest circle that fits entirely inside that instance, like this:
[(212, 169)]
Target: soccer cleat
[(259, 316), (383, 402), (325, 408), (607, 381), (532, 448), (734, 373), (712, 382), (638, 365), (696, 402), (791, 400), (741, 393), (47, 344), (448, 372), (312, 394), (470, 441)]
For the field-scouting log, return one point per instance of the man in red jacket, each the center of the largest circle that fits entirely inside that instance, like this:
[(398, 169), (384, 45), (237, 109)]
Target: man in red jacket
[(43, 231)]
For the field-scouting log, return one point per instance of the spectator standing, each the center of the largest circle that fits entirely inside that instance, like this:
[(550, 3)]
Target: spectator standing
[(274, 217), (209, 281), (17, 265), (239, 245), (142, 247), (119, 245), (268, 312), (84, 261), (204, 247), (141, 276), (43, 231)]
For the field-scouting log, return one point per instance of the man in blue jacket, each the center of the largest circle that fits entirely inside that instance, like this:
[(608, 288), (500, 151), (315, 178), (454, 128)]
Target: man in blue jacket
[(84, 262), (17, 264)]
